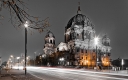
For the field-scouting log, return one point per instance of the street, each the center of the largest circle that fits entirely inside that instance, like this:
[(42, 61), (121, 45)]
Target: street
[(49, 73)]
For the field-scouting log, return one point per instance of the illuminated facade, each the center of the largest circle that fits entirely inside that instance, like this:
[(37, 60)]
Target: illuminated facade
[(79, 36), (105, 49)]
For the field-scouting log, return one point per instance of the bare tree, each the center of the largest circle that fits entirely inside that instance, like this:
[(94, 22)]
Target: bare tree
[(19, 16)]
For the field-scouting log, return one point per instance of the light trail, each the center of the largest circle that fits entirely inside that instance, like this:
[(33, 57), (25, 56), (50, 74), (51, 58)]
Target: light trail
[(76, 72)]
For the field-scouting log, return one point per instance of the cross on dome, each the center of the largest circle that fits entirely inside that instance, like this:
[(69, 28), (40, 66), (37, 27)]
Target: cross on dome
[(79, 11)]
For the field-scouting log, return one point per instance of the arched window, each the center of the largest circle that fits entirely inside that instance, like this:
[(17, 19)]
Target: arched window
[(81, 50), (78, 49), (50, 41), (93, 50), (85, 51), (108, 44)]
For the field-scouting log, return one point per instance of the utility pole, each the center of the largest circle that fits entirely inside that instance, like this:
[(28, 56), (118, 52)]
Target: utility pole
[(26, 26), (0, 65), (96, 58)]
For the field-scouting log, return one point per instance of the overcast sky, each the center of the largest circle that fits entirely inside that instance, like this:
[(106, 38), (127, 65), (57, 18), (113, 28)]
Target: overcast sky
[(108, 16)]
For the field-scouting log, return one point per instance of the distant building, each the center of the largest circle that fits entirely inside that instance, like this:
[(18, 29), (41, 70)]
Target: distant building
[(122, 63)]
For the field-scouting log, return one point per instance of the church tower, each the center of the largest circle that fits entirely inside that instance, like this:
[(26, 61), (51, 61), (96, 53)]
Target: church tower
[(49, 47)]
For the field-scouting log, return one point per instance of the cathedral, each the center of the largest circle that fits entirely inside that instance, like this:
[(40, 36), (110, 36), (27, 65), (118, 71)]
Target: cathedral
[(80, 37), (80, 43)]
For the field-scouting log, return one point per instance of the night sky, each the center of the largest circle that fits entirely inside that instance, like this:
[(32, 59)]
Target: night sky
[(109, 17)]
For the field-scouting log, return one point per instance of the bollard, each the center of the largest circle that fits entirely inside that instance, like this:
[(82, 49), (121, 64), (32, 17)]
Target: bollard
[(95, 68), (119, 68), (127, 70), (115, 68), (0, 69)]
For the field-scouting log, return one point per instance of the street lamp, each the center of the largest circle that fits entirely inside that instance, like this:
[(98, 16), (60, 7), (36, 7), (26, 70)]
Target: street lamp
[(41, 60), (34, 58), (10, 63), (61, 60), (96, 40), (11, 56), (122, 63), (18, 62), (13, 59), (26, 25), (0, 61)]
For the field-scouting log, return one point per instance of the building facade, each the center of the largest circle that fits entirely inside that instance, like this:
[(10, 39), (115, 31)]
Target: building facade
[(80, 46), (80, 38)]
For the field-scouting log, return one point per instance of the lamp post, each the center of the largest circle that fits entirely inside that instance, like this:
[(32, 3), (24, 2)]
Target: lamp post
[(26, 25), (61, 61), (9, 62), (41, 60), (0, 65), (0, 61), (28, 60), (12, 58), (96, 39), (18, 62), (34, 58)]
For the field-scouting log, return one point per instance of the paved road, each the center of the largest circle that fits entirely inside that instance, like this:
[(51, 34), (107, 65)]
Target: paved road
[(48, 73)]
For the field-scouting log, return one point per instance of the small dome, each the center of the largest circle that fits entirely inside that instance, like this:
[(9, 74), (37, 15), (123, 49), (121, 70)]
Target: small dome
[(105, 39), (62, 46), (50, 34)]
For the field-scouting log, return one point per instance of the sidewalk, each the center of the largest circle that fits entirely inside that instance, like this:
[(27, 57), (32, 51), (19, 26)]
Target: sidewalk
[(118, 72), (14, 74)]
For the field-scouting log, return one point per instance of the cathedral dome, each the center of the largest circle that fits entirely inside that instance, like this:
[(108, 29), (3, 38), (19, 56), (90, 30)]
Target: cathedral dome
[(50, 34), (79, 19)]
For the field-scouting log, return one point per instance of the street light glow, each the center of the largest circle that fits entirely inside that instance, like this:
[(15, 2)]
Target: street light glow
[(122, 61), (11, 56), (96, 39), (9, 59), (28, 57), (61, 59), (26, 24), (18, 57)]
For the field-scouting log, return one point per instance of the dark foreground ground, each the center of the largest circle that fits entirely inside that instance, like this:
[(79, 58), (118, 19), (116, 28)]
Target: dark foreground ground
[(14, 74)]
